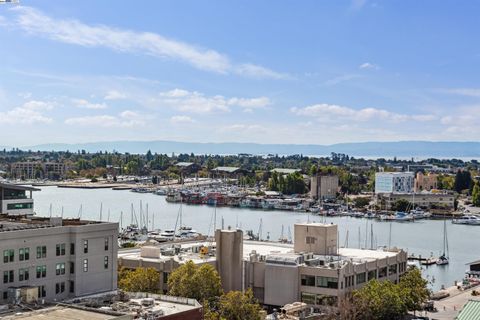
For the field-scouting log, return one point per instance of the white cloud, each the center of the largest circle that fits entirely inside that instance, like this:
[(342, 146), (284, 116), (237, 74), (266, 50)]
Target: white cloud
[(82, 103), (335, 113), (125, 119), (196, 102), (31, 112), (368, 65), (181, 119), (115, 95), (75, 32)]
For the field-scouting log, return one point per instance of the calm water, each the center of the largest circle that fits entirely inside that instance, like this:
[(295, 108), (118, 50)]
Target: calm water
[(421, 237)]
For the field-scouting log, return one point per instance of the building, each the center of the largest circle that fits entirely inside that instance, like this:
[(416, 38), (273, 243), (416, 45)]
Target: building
[(124, 306), (285, 171), (425, 182), (426, 200), (324, 187), (470, 311), (37, 170), (16, 199), (388, 182), (313, 270), (54, 259)]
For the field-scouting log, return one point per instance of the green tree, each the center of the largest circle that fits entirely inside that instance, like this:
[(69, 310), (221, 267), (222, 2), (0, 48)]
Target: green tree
[(401, 205), (476, 195), (196, 282), (139, 280), (361, 202), (414, 289), (379, 300), (236, 305), (463, 181)]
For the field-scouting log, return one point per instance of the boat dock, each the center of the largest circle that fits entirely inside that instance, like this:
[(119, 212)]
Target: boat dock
[(423, 261)]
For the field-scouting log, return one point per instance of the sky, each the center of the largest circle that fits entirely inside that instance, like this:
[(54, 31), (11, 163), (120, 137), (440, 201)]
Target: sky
[(309, 72)]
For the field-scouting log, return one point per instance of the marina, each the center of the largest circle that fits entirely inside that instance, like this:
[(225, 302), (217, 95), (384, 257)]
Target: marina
[(423, 237)]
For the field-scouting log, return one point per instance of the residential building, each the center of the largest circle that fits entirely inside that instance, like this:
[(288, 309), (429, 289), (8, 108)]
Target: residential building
[(425, 182), (54, 259), (426, 200), (313, 270), (324, 187), (388, 182), (37, 169), (16, 199)]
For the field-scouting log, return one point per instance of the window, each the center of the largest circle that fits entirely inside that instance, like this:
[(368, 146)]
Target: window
[(307, 280), (5, 295), (106, 243), (8, 276), (308, 298), (8, 255), (72, 286), (327, 282), (310, 240), (382, 273), (59, 287), (16, 206), (85, 265), (392, 269), (85, 246), (361, 278), (24, 254), (41, 271), (372, 274), (60, 269), (165, 277), (41, 252), (72, 267), (23, 274), (105, 262), (60, 249), (42, 293), (72, 248)]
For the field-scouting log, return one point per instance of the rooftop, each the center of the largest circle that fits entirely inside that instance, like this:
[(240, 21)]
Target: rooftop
[(17, 222), (60, 313), (285, 170), (227, 169), (17, 187), (184, 164), (470, 311)]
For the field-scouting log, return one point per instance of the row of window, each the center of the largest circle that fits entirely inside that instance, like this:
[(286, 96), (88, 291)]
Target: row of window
[(41, 271), (60, 250), (318, 299), (318, 281), (42, 292)]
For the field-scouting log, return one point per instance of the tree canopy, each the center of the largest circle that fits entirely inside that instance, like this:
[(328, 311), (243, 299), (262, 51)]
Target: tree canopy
[(197, 282), (476, 195), (139, 280), (235, 305)]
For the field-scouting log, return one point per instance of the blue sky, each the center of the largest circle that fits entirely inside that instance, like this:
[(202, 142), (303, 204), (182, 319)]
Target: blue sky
[(317, 72)]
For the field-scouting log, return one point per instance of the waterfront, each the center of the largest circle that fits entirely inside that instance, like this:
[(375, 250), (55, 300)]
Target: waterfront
[(421, 237)]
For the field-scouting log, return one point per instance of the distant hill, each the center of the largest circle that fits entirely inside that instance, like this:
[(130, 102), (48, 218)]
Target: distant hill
[(365, 149)]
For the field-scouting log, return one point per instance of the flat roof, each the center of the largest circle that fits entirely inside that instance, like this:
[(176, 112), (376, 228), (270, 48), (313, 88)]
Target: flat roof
[(470, 311), (227, 169), (183, 164), (17, 187), (19, 222), (60, 313), (285, 170)]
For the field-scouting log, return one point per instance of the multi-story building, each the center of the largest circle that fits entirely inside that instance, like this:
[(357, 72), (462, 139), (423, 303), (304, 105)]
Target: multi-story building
[(388, 182), (37, 169), (55, 259), (16, 199), (312, 270), (439, 201), (324, 187), (425, 182)]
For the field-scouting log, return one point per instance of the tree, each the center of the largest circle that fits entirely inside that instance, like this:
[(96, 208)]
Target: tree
[(139, 280), (463, 181), (414, 289), (236, 305), (196, 282), (401, 205), (379, 300), (361, 202), (476, 195)]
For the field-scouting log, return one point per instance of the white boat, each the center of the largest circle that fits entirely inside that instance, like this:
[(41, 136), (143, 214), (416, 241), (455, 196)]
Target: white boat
[(443, 260), (420, 214), (469, 219), (402, 216), (161, 192)]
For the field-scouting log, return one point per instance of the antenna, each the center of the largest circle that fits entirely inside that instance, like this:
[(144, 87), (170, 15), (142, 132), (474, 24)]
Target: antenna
[(108, 217), (101, 210), (390, 237)]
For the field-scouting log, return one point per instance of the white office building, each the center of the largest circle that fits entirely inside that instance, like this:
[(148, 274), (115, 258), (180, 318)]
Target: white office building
[(394, 182)]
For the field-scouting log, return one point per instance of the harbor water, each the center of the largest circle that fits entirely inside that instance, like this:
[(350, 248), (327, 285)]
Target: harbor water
[(423, 237)]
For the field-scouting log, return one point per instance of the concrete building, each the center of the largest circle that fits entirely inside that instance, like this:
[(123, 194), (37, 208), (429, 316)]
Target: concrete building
[(55, 259), (324, 187), (313, 270), (388, 182), (15, 199), (37, 169), (425, 182), (425, 200)]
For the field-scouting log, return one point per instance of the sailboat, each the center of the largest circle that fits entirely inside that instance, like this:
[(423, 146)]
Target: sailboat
[(443, 259)]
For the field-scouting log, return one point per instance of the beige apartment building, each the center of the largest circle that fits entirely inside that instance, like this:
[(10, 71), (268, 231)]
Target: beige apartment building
[(324, 187), (37, 169), (53, 259), (425, 182), (425, 200), (312, 270)]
